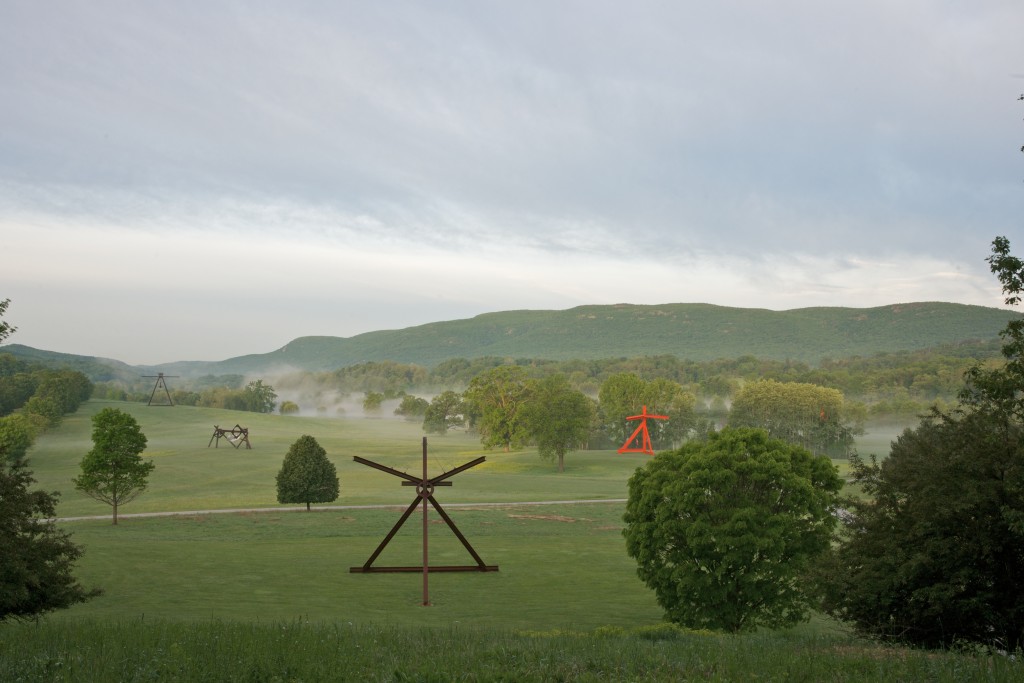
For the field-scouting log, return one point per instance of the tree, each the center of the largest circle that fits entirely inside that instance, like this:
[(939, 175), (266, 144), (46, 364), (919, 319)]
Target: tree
[(306, 475), (625, 394), (17, 434), (37, 557), (412, 408), (724, 530), (808, 415), (443, 413), (113, 472), (372, 402), (497, 396), (935, 555), (558, 418), (6, 329), (258, 397), (289, 408)]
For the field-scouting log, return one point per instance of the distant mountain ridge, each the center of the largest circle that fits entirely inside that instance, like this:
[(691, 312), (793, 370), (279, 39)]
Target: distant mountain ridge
[(697, 332)]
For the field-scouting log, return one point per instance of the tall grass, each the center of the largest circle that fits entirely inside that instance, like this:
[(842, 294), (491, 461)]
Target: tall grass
[(300, 650)]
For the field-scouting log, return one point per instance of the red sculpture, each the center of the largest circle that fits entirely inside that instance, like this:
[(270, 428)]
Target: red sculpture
[(646, 446)]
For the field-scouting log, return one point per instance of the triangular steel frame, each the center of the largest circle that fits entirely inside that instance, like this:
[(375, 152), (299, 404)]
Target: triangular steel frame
[(424, 494)]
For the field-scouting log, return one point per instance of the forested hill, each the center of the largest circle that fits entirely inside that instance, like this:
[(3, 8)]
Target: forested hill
[(697, 332)]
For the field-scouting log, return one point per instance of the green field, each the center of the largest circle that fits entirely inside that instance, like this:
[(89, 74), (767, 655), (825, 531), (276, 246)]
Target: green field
[(267, 594)]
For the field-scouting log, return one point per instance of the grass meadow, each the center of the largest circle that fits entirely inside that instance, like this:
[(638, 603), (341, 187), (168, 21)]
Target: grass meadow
[(264, 593)]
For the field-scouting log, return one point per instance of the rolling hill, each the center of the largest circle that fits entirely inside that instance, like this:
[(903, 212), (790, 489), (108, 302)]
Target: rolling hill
[(689, 331)]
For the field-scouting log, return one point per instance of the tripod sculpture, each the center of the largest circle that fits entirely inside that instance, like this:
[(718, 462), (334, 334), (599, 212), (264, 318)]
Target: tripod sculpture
[(160, 383), (645, 436), (424, 494)]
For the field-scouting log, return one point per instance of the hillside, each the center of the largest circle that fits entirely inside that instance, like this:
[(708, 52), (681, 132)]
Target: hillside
[(695, 332)]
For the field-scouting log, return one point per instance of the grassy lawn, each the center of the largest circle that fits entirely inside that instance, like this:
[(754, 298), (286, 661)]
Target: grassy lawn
[(191, 475), (268, 595)]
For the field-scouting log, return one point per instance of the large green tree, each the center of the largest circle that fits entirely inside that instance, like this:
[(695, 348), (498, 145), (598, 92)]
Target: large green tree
[(558, 418), (114, 472), (806, 414), (306, 475), (444, 412), (624, 394), (259, 397), (934, 555), (37, 558), (497, 397), (723, 531)]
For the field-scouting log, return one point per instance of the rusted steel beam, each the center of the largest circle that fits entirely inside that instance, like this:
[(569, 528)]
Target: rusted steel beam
[(417, 569)]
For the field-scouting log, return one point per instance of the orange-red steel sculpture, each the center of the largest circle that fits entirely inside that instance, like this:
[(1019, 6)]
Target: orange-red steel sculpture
[(641, 431)]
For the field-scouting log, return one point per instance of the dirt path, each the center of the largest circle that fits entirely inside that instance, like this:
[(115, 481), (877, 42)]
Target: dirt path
[(228, 511)]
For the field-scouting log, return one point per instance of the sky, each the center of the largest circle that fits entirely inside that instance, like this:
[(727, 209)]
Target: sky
[(203, 180)]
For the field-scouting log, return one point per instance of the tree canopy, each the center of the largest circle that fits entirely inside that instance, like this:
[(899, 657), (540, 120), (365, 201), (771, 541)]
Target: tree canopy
[(723, 531), (497, 397), (934, 556), (306, 475), (37, 557), (113, 472), (558, 418), (809, 415)]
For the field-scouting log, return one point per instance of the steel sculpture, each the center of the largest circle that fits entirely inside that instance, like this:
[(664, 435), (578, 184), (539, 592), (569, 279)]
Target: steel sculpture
[(236, 436), (424, 494), (645, 436), (161, 383)]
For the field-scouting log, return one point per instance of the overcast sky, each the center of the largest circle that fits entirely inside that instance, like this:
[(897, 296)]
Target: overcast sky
[(201, 180)]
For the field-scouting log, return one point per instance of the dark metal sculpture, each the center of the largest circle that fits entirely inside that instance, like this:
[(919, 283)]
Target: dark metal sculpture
[(424, 494), (160, 383), (236, 436)]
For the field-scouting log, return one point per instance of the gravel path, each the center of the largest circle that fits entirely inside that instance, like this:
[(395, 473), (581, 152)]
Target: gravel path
[(228, 511)]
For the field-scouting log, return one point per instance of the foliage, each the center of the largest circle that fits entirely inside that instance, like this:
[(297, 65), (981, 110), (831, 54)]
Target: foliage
[(37, 557), (558, 418), (444, 412), (259, 397), (804, 414), (306, 475), (372, 402), (6, 329), (17, 434), (412, 408), (497, 397), (289, 408), (723, 530), (113, 471), (625, 394), (935, 555)]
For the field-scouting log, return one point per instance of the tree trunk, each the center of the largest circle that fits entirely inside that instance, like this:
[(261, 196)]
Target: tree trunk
[(115, 512), (307, 506), (561, 462)]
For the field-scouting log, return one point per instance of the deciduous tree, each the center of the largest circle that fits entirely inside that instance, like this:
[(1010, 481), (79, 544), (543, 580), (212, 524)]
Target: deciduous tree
[(558, 418), (113, 472), (809, 415), (37, 558), (306, 475), (723, 530), (412, 408), (934, 556), (498, 396), (444, 412), (259, 397)]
